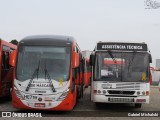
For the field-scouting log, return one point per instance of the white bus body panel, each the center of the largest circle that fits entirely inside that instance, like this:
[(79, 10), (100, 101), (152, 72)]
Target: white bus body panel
[(49, 98), (119, 92)]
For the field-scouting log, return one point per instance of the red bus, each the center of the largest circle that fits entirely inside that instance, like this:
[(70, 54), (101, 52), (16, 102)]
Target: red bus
[(152, 69), (87, 73), (47, 73), (87, 68), (6, 74)]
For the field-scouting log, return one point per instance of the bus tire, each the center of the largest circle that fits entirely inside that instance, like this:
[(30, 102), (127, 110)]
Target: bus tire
[(138, 105), (90, 94), (79, 92), (10, 93), (98, 104), (82, 90), (73, 86), (76, 97)]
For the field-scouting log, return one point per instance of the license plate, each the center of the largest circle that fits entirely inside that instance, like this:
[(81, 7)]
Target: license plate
[(39, 105)]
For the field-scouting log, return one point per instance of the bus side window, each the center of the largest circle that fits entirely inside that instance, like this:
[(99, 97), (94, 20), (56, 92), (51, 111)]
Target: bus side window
[(5, 60)]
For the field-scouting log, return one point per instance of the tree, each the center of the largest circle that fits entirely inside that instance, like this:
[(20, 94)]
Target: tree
[(15, 42)]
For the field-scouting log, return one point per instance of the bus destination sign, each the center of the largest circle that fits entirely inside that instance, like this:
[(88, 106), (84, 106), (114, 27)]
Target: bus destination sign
[(122, 46)]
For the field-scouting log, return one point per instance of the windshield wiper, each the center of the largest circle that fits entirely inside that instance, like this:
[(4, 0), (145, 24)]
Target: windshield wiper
[(49, 78), (131, 61), (36, 72), (110, 53)]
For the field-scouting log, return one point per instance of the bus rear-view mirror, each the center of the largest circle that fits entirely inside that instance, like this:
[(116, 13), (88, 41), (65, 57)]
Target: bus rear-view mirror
[(12, 60), (150, 58), (91, 59), (75, 59)]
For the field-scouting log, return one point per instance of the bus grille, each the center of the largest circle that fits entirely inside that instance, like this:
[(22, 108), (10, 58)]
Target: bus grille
[(121, 100), (121, 92), (130, 86)]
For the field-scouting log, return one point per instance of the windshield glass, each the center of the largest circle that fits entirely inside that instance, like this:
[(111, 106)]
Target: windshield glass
[(122, 66), (31, 59)]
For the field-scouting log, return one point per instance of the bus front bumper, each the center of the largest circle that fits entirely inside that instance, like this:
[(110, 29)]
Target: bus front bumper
[(119, 99)]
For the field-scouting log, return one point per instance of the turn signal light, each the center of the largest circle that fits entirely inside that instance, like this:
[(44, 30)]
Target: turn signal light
[(147, 93), (95, 91)]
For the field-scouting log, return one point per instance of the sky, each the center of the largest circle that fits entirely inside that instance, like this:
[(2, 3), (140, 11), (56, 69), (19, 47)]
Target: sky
[(88, 21)]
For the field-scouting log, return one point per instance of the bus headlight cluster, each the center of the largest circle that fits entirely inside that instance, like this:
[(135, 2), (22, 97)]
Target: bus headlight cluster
[(141, 93), (101, 91), (18, 94), (63, 96)]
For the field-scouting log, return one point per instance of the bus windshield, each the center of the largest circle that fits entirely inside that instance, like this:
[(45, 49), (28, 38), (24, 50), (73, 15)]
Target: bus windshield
[(122, 66), (56, 60)]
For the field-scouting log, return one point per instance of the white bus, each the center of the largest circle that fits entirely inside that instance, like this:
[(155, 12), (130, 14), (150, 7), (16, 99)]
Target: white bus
[(120, 73)]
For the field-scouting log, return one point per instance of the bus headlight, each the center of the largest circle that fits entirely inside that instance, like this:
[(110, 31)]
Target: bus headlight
[(63, 96), (143, 93), (138, 93), (99, 92), (104, 92), (18, 94)]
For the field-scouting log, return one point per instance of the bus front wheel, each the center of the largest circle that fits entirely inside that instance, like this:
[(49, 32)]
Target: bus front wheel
[(138, 105), (98, 104)]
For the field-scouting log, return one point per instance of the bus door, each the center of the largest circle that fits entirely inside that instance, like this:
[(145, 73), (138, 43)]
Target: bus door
[(6, 73)]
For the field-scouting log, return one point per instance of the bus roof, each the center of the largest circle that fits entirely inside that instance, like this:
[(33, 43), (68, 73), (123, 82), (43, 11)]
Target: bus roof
[(56, 40), (8, 44)]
